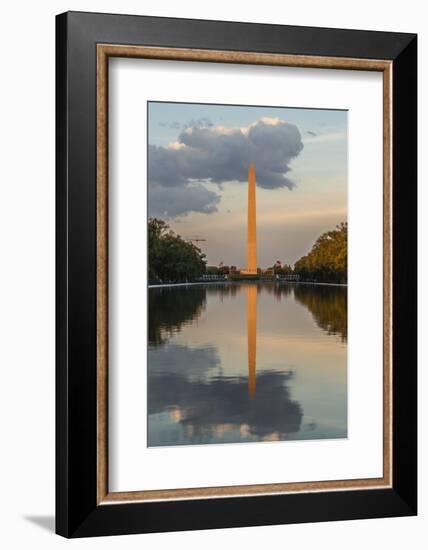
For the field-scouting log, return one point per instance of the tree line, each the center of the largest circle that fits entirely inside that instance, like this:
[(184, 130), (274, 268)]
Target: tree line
[(174, 260)]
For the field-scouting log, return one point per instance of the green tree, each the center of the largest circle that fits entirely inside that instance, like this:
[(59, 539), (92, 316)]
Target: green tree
[(171, 258), (328, 259), (284, 269)]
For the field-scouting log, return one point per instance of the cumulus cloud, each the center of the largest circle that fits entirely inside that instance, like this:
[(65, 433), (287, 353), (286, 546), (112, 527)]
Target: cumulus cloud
[(180, 200), (216, 154)]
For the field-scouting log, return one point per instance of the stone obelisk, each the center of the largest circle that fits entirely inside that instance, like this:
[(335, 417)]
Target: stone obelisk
[(251, 228)]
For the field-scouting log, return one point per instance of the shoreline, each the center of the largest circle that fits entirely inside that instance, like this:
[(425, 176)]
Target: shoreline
[(233, 282)]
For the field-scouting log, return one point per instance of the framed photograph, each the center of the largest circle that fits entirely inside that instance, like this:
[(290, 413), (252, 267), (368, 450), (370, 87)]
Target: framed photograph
[(236, 274)]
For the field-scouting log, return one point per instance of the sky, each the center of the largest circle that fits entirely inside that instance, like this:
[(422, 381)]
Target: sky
[(198, 159)]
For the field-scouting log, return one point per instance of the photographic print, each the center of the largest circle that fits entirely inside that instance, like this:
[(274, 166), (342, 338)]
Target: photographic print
[(247, 269)]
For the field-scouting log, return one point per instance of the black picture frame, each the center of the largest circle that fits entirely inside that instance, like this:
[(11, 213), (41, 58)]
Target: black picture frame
[(77, 511)]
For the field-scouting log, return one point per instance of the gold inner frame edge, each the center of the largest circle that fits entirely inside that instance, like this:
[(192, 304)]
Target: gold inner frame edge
[(104, 52)]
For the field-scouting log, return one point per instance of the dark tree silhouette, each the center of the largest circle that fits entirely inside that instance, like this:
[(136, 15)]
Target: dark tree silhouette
[(328, 305), (171, 258), (170, 308)]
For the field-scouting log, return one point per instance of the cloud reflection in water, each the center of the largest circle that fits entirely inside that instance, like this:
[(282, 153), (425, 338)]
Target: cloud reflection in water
[(208, 382)]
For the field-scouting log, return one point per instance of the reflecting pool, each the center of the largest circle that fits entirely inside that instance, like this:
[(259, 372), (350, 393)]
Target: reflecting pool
[(246, 362)]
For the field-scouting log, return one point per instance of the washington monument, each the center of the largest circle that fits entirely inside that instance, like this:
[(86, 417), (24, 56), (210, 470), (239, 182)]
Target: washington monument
[(251, 227)]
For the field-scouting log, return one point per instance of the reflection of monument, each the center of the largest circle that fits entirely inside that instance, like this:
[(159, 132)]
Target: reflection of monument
[(251, 227), (251, 337)]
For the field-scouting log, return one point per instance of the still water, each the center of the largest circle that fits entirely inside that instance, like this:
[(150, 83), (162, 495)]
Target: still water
[(231, 363)]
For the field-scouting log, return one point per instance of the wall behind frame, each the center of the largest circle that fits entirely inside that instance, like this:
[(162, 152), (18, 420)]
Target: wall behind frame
[(27, 271)]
